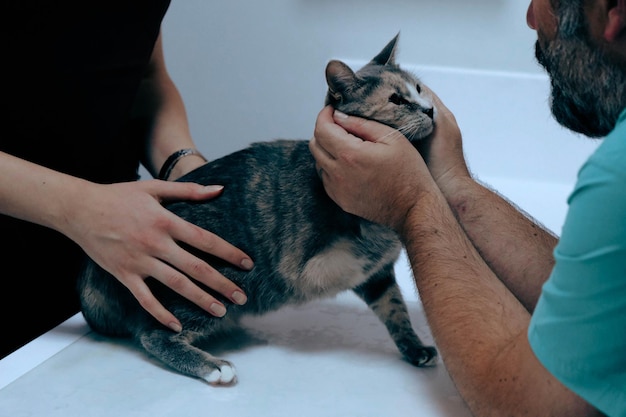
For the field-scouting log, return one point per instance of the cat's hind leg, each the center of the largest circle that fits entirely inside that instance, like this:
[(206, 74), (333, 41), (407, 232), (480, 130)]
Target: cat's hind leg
[(383, 296), (177, 350)]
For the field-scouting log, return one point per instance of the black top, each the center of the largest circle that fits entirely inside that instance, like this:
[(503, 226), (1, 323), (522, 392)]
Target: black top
[(72, 70)]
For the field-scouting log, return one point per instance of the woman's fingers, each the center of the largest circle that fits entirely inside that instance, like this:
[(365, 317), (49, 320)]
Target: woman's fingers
[(173, 277), (139, 289), (200, 270)]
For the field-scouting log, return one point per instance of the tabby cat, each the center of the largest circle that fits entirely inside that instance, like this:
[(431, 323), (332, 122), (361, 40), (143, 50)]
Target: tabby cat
[(274, 207)]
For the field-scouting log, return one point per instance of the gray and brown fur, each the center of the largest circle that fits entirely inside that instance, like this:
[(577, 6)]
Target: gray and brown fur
[(274, 207)]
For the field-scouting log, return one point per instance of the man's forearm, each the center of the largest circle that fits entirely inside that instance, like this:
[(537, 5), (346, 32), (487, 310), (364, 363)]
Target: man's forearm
[(479, 325), (517, 249), (473, 316)]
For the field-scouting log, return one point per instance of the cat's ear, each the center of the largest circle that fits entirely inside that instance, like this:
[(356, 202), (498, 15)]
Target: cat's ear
[(340, 79), (388, 55)]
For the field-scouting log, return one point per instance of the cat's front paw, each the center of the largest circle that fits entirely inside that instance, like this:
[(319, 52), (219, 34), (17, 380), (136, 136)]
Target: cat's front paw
[(223, 375)]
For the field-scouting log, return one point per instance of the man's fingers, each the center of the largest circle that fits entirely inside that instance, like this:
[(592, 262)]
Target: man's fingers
[(324, 134), (365, 129), (441, 108)]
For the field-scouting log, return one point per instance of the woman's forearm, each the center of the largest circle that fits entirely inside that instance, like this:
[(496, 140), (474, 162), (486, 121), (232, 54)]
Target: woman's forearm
[(160, 106), (36, 194)]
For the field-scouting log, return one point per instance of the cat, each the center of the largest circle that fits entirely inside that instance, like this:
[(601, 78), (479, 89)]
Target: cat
[(305, 247)]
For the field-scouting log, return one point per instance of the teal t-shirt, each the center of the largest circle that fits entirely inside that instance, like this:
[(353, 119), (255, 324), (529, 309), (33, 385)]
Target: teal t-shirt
[(578, 329)]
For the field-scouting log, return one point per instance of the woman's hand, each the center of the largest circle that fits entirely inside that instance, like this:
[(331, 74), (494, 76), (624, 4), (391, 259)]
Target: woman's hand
[(126, 230)]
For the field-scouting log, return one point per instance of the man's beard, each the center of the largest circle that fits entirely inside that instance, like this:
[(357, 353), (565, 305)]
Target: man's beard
[(588, 91)]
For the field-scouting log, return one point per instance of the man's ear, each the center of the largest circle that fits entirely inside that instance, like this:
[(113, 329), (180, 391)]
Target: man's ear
[(616, 23)]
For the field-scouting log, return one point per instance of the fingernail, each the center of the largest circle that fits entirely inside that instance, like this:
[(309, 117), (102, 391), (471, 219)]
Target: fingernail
[(218, 309), (340, 115), (176, 327), (239, 297), (247, 264), (214, 187)]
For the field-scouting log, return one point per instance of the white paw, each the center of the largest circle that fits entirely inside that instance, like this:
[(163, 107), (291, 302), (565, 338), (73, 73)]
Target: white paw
[(224, 375)]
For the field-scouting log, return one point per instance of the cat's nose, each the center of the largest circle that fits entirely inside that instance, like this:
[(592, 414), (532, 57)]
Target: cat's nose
[(430, 112)]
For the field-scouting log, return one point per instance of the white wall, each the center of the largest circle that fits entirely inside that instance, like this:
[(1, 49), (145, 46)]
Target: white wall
[(254, 70), (251, 70)]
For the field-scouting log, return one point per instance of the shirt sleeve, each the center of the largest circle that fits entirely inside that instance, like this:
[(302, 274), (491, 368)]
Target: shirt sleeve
[(578, 329)]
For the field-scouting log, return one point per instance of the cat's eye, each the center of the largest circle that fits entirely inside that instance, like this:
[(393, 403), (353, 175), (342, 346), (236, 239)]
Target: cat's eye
[(397, 99), (419, 88)]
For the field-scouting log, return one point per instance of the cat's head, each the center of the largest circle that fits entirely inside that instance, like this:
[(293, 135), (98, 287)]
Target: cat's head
[(382, 91)]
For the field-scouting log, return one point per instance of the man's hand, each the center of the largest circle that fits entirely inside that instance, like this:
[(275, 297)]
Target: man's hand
[(369, 169)]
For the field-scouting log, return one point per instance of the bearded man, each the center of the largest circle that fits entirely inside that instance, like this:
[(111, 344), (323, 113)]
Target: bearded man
[(528, 324)]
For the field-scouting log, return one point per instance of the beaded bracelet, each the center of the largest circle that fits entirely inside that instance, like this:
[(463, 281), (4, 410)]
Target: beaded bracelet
[(173, 159)]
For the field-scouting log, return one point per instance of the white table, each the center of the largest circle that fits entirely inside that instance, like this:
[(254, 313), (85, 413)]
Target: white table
[(327, 358)]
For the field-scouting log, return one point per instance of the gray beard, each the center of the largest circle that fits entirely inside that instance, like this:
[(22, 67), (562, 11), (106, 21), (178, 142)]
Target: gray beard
[(588, 91)]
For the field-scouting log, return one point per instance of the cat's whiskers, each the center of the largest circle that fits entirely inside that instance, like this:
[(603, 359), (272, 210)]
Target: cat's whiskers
[(391, 134), (409, 129)]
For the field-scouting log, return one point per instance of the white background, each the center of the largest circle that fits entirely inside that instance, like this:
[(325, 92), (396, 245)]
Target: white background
[(253, 70)]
